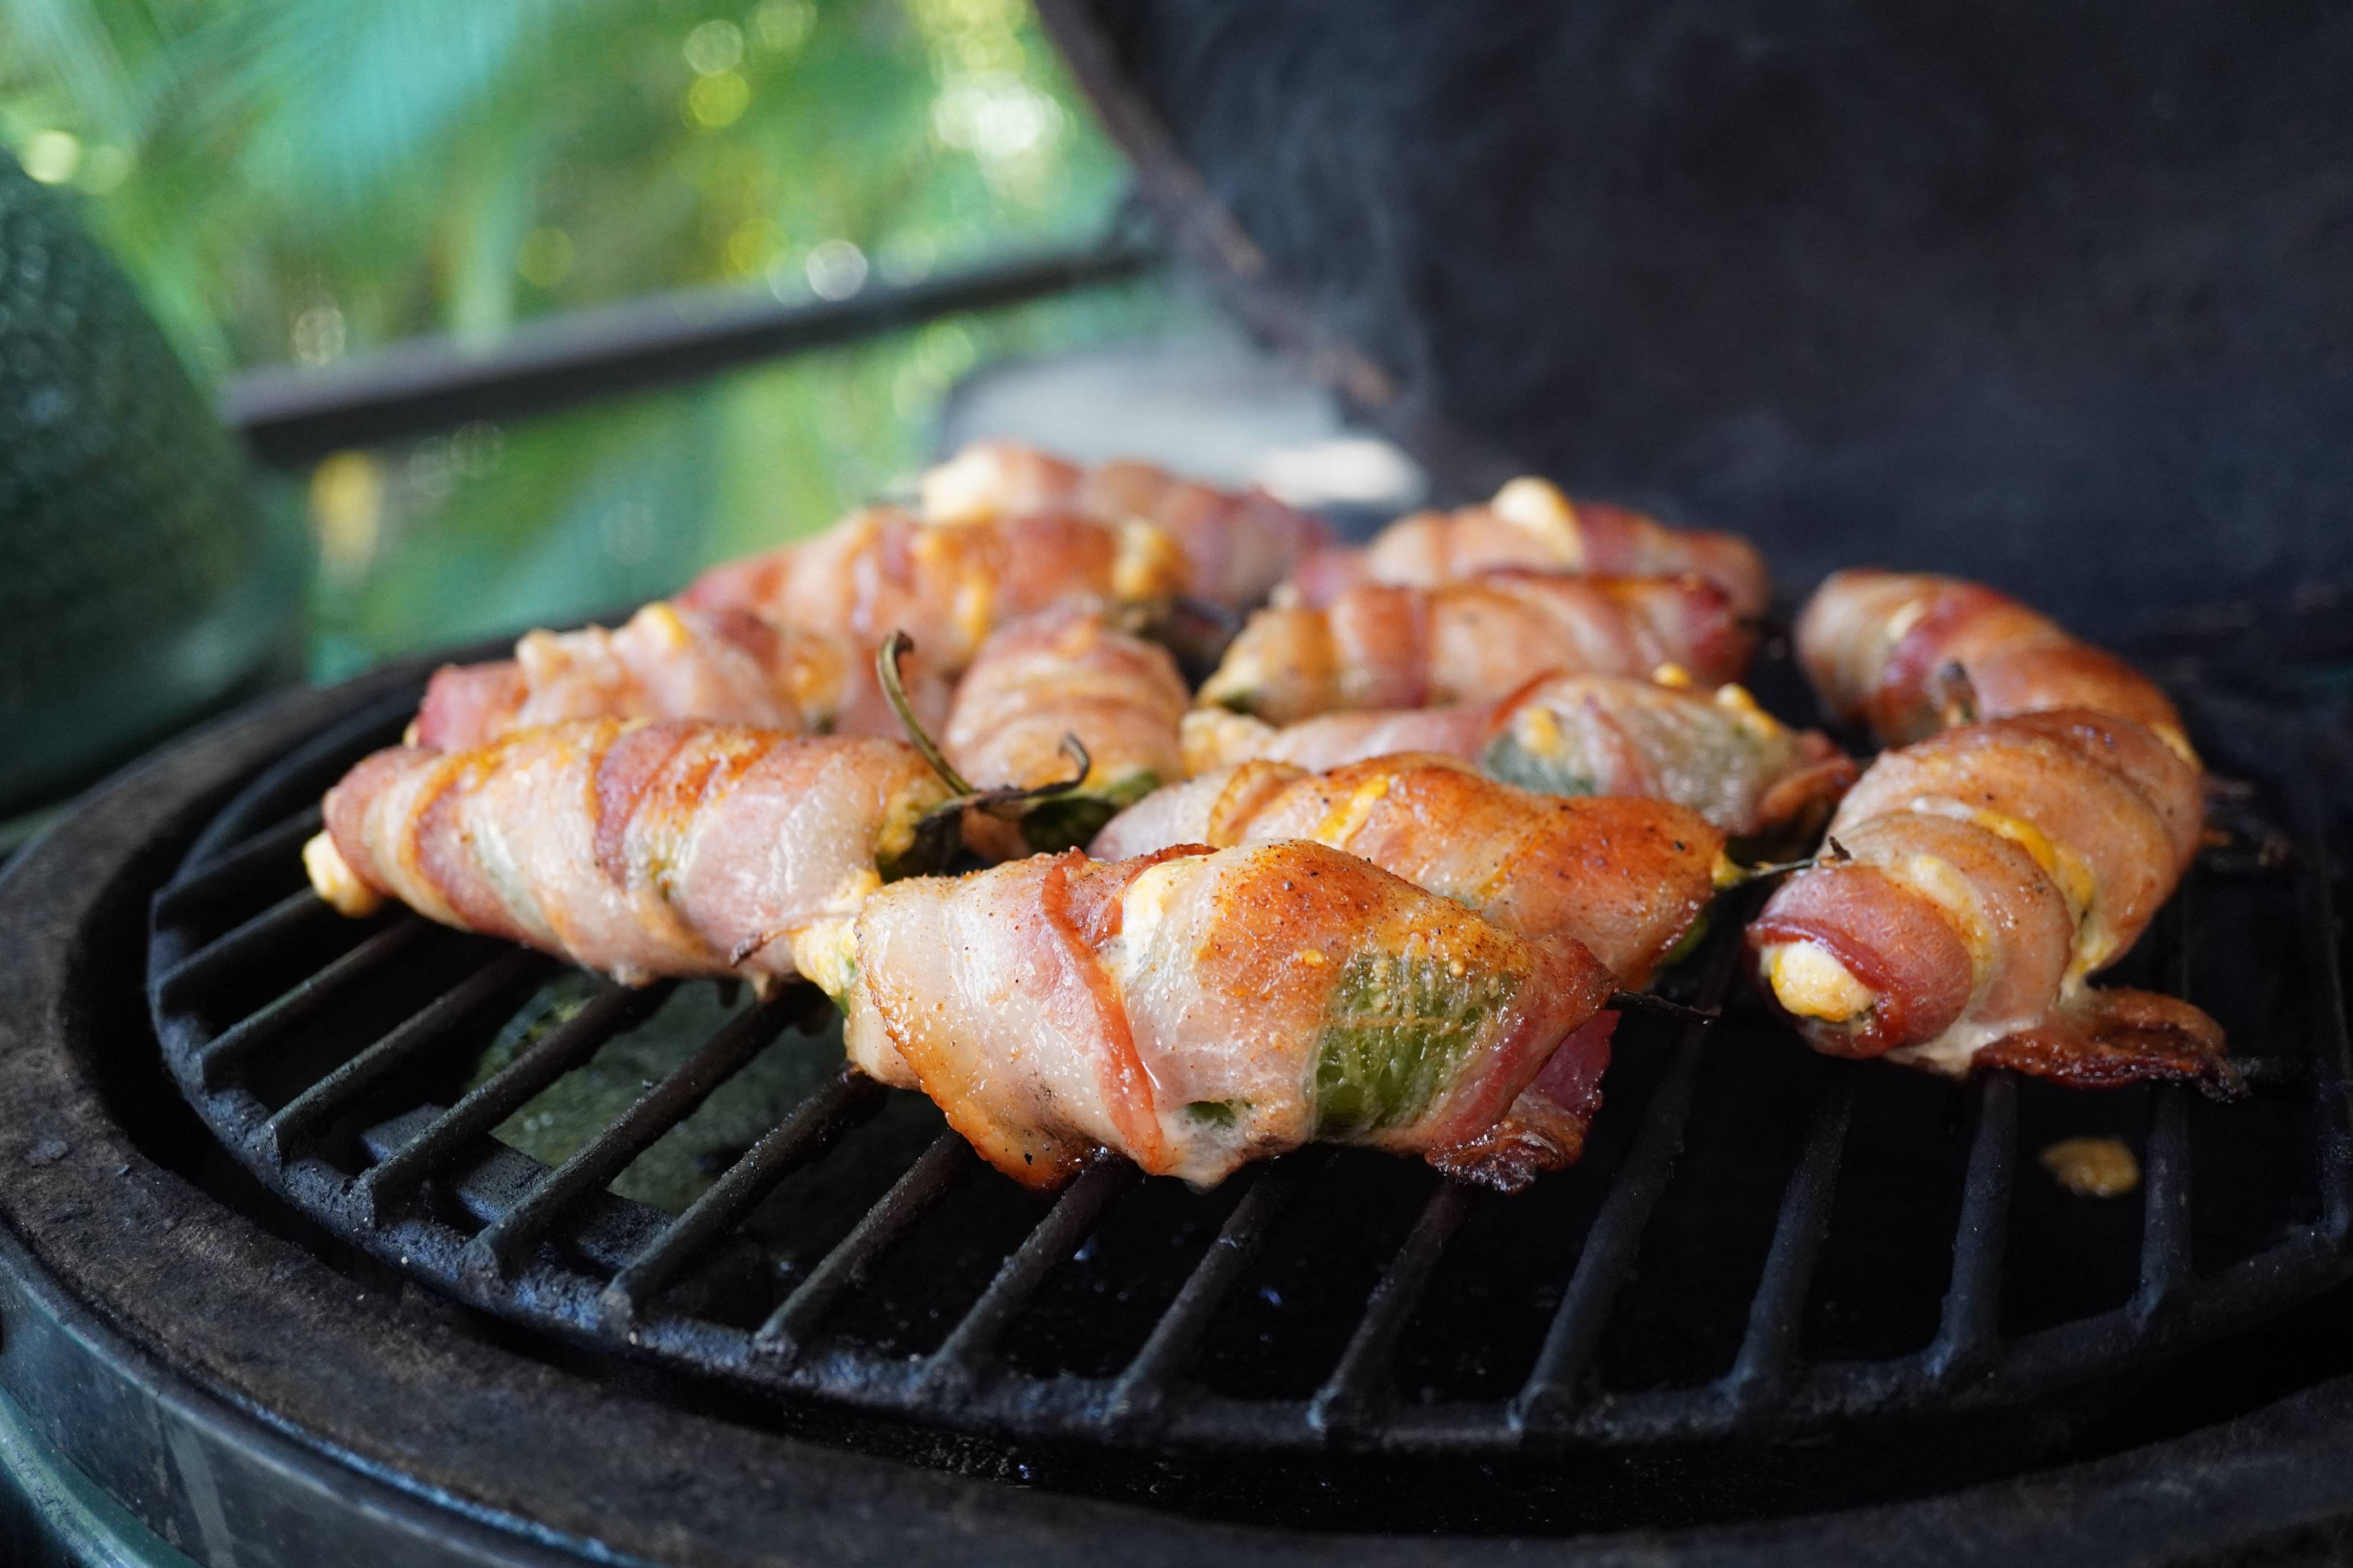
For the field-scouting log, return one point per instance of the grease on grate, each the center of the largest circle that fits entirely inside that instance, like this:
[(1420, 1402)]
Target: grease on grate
[(2092, 1167)]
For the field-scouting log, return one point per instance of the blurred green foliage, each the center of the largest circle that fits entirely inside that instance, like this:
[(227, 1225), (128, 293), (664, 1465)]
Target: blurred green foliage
[(306, 179)]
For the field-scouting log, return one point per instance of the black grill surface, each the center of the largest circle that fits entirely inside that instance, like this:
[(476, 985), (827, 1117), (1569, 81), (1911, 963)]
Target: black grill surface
[(1762, 1248)]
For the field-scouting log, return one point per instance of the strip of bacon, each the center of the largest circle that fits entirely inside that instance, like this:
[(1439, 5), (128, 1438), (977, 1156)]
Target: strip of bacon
[(644, 851), (1719, 754), (1530, 523), (1912, 653), (1065, 672), (1196, 1010), (883, 570), (1982, 876), (1237, 545), (1378, 647), (669, 662), (1625, 879)]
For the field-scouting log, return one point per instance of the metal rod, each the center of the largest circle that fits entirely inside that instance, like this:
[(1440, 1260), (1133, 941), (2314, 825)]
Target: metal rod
[(272, 849), (844, 1100), (1350, 1398), (541, 1063), (280, 923), (1041, 1252), (1145, 1384), (1550, 1393), (1971, 1320), (1777, 1313), (422, 1031), (845, 1268), (495, 1250), (2332, 1047), (2165, 1259), (237, 1045), (291, 417)]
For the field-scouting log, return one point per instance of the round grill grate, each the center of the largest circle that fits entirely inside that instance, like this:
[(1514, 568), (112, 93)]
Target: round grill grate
[(1760, 1244)]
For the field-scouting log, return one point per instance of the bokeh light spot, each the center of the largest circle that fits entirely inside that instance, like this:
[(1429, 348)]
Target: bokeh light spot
[(837, 270), (544, 258), (347, 511), (319, 335), (784, 25), (718, 100), (52, 156), (714, 47)]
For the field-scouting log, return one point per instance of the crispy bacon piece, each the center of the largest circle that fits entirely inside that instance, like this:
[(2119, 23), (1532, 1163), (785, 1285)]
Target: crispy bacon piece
[(1195, 1010), (883, 570), (1237, 545), (1718, 753), (668, 662), (1625, 879), (1912, 653), (1985, 874), (1530, 523), (675, 849), (1065, 672), (1378, 647)]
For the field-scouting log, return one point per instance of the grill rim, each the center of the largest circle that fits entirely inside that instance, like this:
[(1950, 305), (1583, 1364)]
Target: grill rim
[(2283, 1467)]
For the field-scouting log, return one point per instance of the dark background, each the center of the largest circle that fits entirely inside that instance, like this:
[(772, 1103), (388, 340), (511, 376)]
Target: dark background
[(2052, 294)]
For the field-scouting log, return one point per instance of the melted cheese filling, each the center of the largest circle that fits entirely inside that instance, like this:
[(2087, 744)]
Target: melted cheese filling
[(2094, 942), (1150, 564), (332, 878), (826, 953), (1538, 507), (1809, 980), (1141, 908), (826, 949), (1340, 824), (1539, 731), (1212, 737)]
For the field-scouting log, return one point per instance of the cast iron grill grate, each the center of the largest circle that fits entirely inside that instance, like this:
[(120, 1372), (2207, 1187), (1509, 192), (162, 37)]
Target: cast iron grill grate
[(1760, 1244)]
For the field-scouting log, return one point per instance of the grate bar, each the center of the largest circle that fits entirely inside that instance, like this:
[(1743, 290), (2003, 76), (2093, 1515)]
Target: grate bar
[(424, 1030), (266, 852), (1549, 1396), (1143, 1386), (2165, 1260), (493, 1252), (1041, 1252), (1967, 1329), (848, 1099), (281, 922), (845, 1268), (1350, 1399), (610, 1013), (1768, 1350), (237, 1045), (2333, 1050)]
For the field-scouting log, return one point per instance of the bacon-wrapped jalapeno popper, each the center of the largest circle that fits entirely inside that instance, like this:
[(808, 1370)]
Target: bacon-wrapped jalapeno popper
[(1195, 1010), (1625, 879), (675, 849), (1628, 880), (1912, 653), (1064, 672), (669, 662), (1530, 523), (1237, 545), (1981, 877), (883, 570), (1378, 647), (1719, 754)]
